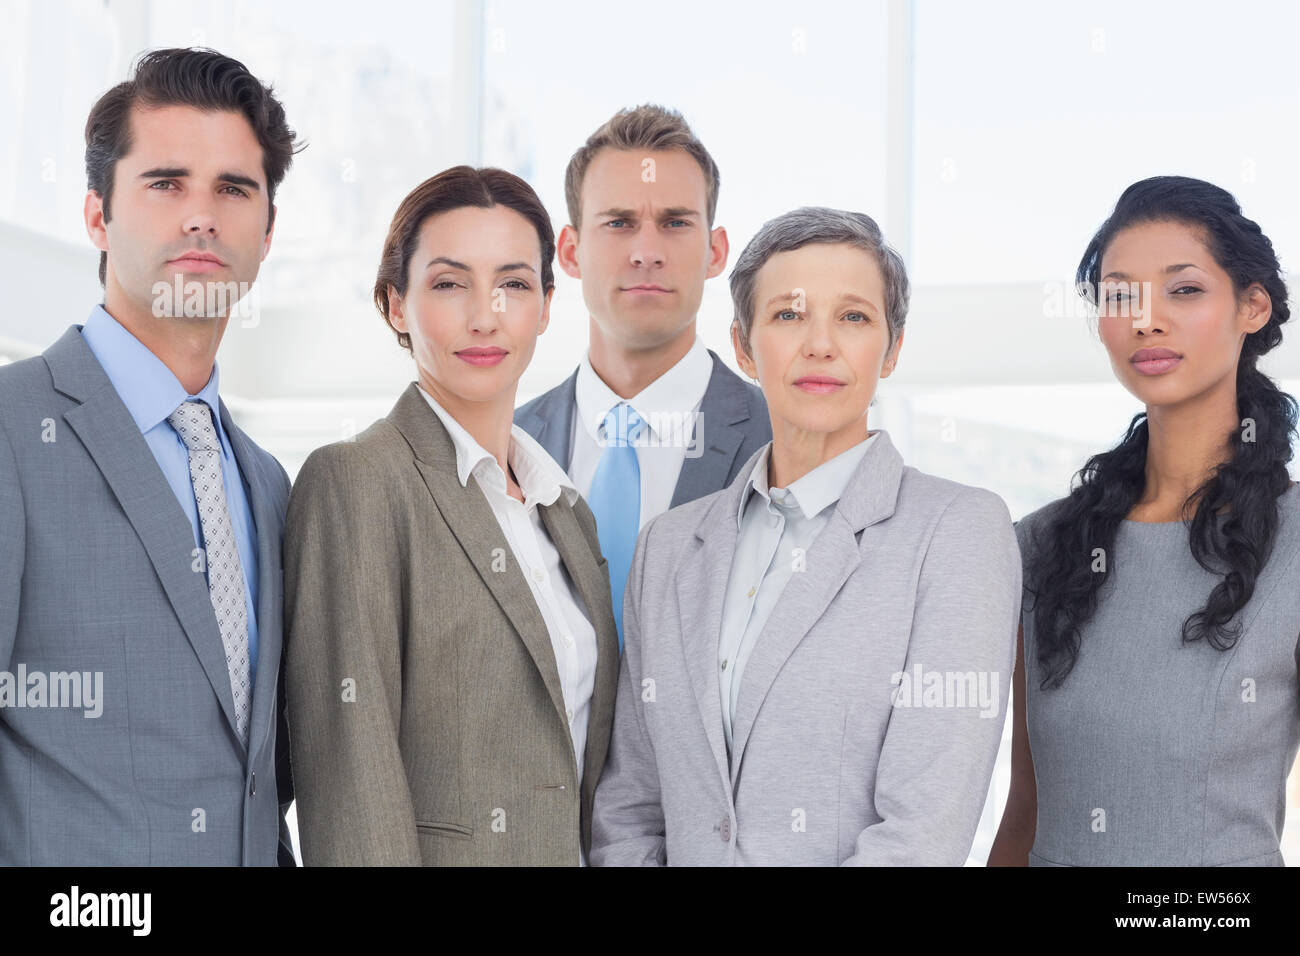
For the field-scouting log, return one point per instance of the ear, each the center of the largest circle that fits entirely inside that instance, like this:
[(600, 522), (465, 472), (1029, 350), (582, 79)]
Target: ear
[(892, 359), (396, 313), (96, 228), (566, 251), (719, 249), (744, 361), (1256, 308), (266, 242), (546, 311)]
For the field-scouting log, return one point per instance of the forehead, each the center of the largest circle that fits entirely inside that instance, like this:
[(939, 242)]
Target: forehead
[(196, 139), (1151, 246), (822, 270), (478, 236), (634, 179)]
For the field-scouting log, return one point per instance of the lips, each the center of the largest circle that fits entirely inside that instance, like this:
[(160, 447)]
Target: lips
[(646, 288), (818, 384), (1155, 361), (482, 356), (196, 261)]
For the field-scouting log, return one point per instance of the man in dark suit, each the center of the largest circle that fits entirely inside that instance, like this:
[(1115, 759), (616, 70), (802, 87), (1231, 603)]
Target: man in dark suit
[(141, 715), (651, 419)]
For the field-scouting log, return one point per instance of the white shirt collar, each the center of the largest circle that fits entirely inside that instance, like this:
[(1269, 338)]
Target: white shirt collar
[(815, 491), (669, 398), (540, 478)]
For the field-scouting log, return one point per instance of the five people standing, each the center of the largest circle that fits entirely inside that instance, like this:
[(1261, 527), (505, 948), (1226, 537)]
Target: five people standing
[(657, 615)]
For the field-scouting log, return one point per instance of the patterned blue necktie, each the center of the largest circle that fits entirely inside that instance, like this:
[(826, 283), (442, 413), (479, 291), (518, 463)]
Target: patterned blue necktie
[(615, 500)]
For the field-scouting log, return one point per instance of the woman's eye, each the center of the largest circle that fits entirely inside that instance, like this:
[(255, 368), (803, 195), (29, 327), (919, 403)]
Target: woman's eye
[(444, 284), (860, 317), (516, 284), (791, 313), (1186, 288)]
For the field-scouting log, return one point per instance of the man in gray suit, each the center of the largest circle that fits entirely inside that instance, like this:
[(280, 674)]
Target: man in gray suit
[(140, 584), (651, 419)]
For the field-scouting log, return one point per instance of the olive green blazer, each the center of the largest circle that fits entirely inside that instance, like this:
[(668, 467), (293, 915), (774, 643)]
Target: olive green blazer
[(426, 720)]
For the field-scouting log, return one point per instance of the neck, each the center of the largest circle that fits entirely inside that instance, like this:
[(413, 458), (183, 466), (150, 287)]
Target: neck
[(187, 346), (796, 452), (1185, 443), (629, 371), (487, 422)]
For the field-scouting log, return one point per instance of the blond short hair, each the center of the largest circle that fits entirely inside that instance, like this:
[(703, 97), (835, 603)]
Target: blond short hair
[(646, 127)]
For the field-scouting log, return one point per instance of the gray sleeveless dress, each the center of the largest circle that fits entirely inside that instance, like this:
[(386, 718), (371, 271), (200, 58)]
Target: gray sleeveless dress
[(1157, 753)]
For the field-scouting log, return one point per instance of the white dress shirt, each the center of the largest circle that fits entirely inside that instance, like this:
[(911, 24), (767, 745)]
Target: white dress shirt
[(542, 481), (776, 527), (668, 405)]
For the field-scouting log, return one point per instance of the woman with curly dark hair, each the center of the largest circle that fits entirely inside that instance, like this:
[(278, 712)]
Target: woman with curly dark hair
[(1158, 706)]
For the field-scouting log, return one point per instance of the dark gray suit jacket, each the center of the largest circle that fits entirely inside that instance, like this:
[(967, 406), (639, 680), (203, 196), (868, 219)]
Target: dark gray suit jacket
[(733, 425), (97, 575)]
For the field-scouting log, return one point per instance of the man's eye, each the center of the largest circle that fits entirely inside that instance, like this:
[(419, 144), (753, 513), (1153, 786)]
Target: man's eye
[(162, 182), (616, 222), (238, 191)]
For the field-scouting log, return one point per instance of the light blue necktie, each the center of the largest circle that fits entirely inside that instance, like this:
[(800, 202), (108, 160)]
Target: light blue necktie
[(615, 500)]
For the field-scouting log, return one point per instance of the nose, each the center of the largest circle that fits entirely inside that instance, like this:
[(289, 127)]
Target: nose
[(200, 222), (646, 253), (484, 312), (818, 342)]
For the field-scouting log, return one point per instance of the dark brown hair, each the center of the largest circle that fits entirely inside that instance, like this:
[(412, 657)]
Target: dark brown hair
[(647, 127), (197, 77), (451, 189)]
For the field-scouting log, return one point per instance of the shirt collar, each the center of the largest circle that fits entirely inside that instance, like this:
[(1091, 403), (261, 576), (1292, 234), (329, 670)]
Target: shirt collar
[(669, 398), (540, 478), (148, 388), (815, 491)]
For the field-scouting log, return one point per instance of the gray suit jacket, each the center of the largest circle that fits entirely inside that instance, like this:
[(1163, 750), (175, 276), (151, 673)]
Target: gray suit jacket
[(427, 722), (96, 575), (733, 424), (835, 759)]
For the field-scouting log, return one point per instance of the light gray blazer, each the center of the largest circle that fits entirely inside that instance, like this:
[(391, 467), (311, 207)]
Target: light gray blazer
[(733, 423), (97, 575), (426, 716), (835, 759)]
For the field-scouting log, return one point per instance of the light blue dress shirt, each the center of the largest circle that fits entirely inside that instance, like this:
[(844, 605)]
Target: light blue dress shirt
[(150, 393), (776, 528)]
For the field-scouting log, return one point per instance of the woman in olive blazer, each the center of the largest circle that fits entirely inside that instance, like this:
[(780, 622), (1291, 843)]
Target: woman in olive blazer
[(452, 653)]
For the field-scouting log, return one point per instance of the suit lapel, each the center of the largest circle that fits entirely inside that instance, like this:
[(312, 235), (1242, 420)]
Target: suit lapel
[(266, 528), (470, 518), (113, 441), (869, 497), (718, 434), (701, 583), (592, 582)]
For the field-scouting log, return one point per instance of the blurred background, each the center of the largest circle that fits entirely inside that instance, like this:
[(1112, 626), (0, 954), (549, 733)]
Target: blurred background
[(989, 140)]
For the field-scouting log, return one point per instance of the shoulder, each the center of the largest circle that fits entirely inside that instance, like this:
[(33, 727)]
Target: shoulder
[(536, 407), (361, 461), (923, 495), (1031, 529), (22, 383)]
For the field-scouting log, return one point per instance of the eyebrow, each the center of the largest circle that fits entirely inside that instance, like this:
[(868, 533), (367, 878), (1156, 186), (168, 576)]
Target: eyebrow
[(672, 212), (508, 267), (181, 172), (847, 297), (1169, 270)]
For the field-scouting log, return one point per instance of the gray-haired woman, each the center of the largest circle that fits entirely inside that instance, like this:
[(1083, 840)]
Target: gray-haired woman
[(817, 657)]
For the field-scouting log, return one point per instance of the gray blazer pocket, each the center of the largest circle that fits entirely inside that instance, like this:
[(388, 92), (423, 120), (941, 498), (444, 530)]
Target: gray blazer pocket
[(445, 829)]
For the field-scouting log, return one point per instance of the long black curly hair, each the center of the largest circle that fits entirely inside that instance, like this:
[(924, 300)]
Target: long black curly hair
[(1064, 585)]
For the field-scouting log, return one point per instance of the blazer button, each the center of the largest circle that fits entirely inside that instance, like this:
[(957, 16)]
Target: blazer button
[(725, 828)]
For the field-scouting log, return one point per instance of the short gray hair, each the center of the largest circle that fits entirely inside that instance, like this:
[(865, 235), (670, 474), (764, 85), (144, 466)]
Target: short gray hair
[(807, 225)]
